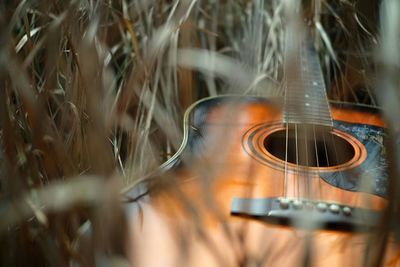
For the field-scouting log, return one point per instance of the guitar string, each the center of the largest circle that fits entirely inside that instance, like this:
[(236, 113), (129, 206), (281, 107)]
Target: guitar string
[(306, 175), (299, 57), (317, 159), (320, 131), (298, 175), (327, 161), (297, 164), (286, 160), (306, 172), (311, 182), (341, 192), (301, 129)]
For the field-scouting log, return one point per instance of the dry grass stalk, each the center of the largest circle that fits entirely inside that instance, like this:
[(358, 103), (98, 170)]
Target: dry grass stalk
[(92, 94)]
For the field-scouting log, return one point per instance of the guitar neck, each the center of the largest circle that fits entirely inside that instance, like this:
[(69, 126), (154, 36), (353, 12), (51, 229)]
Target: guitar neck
[(306, 101)]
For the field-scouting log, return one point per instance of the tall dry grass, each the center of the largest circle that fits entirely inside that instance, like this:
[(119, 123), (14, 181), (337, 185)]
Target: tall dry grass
[(93, 94)]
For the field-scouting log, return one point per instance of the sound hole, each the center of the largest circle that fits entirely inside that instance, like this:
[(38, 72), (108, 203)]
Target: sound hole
[(309, 146)]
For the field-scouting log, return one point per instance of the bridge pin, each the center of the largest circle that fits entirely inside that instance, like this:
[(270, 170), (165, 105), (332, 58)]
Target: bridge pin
[(297, 204), (347, 211), (284, 203), (334, 208), (322, 207)]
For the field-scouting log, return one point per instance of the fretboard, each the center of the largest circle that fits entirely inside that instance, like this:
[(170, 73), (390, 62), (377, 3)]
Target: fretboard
[(305, 95)]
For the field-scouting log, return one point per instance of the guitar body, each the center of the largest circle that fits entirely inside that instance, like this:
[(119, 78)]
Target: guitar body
[(231, 151)]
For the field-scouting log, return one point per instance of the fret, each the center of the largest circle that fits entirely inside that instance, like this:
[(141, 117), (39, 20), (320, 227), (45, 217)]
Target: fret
[(321, 111), (309, 97), (309, 120), (309, 114), (305, 95), (309, 117)]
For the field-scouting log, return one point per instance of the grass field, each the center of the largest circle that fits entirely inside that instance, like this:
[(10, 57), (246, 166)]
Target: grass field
[(92, 97)]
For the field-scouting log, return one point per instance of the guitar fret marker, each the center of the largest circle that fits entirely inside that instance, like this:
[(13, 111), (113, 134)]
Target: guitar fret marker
[(305, 95)]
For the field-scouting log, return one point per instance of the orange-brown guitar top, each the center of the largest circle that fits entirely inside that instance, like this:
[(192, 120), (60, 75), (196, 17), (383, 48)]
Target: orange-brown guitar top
[(186, 219)]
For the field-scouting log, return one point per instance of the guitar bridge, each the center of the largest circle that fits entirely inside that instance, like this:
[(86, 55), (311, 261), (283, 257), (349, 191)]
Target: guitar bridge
[(306, 214)]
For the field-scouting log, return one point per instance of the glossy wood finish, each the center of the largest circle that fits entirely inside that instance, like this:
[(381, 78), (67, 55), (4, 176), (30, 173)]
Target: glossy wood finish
[(186, 219)]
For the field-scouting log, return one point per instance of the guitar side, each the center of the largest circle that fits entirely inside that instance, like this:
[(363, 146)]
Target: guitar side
[(188, 221)]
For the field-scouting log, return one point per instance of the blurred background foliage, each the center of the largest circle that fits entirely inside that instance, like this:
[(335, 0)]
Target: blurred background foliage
[(92, 96)]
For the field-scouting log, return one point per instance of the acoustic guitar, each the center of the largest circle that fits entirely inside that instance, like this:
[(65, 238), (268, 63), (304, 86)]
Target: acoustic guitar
[(292, 181)]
